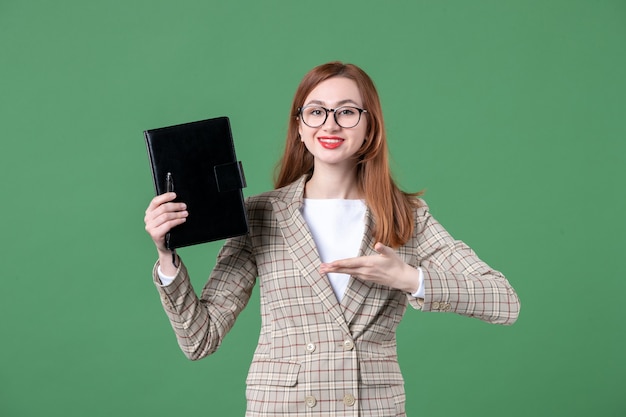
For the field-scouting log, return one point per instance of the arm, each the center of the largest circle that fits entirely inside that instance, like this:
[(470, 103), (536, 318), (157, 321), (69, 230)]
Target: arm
[(456, 280), (201, 323)]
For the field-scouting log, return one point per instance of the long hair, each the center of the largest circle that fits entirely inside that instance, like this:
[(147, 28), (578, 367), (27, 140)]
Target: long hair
[(392, 208)]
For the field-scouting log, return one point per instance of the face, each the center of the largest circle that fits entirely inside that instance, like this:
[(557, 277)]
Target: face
[(330, 144)]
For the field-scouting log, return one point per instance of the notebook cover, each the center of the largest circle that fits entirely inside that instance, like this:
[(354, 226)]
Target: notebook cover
[(200, 157)]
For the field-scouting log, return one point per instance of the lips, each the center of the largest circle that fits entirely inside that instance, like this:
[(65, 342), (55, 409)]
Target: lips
[(330, 142)]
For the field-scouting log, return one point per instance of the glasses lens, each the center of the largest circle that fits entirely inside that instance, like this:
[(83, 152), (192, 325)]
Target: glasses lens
[(313, 116), (347, 116)]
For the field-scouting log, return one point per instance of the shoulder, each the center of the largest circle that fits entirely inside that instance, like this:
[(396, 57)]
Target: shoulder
[(291, 196), (420, 208), (421, 216)]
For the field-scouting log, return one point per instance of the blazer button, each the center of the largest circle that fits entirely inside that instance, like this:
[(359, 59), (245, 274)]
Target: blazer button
[(435, 305), (310, 401), (310, 347), (348, 344), (349, 400)]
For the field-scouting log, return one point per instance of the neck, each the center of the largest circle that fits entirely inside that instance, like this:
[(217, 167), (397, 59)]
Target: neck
[(333, 184)]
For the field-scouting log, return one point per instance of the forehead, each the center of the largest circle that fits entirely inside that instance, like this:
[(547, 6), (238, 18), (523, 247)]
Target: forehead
[(335, 90)]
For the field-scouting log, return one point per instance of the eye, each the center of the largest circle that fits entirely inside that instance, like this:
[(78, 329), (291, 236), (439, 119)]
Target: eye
[(315, 111), (347, 111)]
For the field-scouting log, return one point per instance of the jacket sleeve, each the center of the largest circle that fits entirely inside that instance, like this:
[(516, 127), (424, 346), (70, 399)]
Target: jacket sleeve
[(201, 323), (456, 280)]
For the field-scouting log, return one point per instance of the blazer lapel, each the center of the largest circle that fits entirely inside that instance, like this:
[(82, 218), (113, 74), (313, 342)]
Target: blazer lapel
[(303, 250)]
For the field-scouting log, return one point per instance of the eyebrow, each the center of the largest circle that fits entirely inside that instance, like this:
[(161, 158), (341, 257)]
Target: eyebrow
[(339, 103)]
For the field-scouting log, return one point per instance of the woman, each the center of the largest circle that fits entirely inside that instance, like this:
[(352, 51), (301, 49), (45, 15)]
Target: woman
[(339, 252)]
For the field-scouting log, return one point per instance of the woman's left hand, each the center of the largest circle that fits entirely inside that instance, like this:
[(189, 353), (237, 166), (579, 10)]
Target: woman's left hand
[(386, 268)]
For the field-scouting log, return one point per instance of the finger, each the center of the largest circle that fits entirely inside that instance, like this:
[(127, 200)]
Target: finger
[(343, 263), (383, 249), (158, 228), (160, 199), (169, 216), (164, 209), (161, 229), (167, 211), (346, 266)]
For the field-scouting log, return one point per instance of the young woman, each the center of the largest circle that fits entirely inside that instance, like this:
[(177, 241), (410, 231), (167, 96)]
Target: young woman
[(338, 251)]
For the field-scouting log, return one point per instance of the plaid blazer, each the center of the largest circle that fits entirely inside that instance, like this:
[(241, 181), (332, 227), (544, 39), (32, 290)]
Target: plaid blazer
[(315, 355)]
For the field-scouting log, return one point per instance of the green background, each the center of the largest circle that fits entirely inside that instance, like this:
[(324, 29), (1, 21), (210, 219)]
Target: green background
[(510, 114)]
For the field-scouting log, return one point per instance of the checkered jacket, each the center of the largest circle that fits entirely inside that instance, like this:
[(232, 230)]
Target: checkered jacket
[(317, 356)]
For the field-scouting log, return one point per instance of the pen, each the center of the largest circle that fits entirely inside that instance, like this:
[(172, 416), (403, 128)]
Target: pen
[(169, 187), (169, 183)]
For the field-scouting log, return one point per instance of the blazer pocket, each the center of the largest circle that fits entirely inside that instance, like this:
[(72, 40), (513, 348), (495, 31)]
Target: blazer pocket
[(274, 373), (381, 372)]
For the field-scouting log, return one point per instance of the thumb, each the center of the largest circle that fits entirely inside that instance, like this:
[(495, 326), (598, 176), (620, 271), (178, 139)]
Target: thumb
[(382, 249)]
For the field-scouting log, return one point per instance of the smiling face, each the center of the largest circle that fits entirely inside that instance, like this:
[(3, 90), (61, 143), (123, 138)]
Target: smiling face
[(331, 144)]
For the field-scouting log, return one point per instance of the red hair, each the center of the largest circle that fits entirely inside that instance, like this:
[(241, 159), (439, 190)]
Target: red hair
[(391, 207)]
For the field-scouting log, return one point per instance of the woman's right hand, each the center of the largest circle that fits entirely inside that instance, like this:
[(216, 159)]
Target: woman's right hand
[(161, 216)]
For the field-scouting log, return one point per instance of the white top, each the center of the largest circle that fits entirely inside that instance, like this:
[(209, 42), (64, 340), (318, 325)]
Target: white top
[(337, 227)]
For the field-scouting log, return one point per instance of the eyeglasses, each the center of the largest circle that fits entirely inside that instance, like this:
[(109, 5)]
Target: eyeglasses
[(346, 116)]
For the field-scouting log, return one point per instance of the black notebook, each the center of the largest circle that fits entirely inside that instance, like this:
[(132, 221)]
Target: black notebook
[(197, 161)]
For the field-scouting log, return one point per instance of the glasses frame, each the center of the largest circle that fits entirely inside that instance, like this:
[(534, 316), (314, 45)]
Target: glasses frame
[(334, 112)]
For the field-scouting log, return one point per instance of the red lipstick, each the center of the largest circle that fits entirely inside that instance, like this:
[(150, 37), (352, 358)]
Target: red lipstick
[(330, 142)]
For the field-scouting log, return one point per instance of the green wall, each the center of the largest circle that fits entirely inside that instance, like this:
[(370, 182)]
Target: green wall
[(510, 114)]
